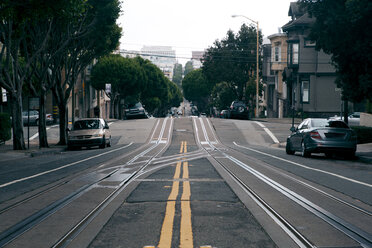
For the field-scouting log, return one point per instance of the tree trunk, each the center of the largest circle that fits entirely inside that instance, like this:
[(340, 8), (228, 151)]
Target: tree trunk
[(63, 124), (17, 122), (43, 140)]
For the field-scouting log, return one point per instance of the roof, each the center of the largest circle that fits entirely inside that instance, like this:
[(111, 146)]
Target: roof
[(304, 20)]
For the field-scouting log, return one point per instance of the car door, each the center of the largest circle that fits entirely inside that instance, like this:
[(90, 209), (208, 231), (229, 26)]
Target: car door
[(297, 137)]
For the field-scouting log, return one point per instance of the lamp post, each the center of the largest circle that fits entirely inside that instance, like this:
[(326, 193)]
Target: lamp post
[(257, 77)]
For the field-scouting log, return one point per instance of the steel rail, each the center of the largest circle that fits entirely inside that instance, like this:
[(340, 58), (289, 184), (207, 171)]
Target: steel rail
[(18, 229), (291, 231), (79, 227), (362, 237)]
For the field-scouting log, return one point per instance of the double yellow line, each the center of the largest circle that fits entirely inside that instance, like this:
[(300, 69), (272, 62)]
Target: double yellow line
[(186, 235)]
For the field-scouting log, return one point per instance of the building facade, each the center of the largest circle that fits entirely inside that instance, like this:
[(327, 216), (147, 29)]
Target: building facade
[(278, 63), (309, 74)]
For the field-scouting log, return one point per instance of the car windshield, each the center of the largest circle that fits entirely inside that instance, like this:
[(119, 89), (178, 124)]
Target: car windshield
[(135, 105), (328, 123), (86, 124)]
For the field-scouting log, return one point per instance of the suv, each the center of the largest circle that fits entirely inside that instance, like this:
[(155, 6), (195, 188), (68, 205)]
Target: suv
[(135, 110), (238, 110)]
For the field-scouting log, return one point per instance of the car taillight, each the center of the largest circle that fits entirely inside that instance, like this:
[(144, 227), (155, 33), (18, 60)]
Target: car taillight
[(315, 135)]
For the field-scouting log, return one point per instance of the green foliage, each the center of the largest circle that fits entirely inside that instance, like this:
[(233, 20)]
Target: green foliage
[(196, 88), (223, 95), (233, 59), (177, 74), (124, 74), (188, 68), (5, 127), (340, 29), (364, 134)]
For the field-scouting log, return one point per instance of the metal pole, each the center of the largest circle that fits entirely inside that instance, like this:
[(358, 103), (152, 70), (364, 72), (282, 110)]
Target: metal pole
[(257, 85)]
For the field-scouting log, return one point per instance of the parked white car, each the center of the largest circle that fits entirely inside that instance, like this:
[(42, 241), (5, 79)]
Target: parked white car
[(353, 119), (89, 132)]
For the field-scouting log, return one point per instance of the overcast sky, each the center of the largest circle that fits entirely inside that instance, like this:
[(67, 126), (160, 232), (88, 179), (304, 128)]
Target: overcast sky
[(193, 25)]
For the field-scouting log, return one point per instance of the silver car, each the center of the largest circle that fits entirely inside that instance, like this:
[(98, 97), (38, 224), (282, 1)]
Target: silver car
[(317, 135), (89, 132)]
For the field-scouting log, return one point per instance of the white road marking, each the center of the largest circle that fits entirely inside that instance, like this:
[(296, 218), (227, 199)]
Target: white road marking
[(268, 132), (62, 167), (305, 167)]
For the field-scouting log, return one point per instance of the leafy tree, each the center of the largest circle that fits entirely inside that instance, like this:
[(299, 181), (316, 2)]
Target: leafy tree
[(197, 89), (177, 74), (124, 75), (223, 95), (341, 29), (188, 68), (233, 59), (158, 93), (25, 30), (99, 18)]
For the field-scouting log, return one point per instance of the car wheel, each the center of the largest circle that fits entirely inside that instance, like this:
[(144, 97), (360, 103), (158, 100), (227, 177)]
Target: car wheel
[(103, 145), (350, 155), (288, 148), (304, 153), (329, 154)]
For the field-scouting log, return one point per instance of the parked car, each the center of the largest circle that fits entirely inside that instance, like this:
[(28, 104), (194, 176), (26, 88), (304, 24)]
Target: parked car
[(224, 114), (89, 132), (319, 135), (353, 119), (135, 110), (34, 117), (239, 110)]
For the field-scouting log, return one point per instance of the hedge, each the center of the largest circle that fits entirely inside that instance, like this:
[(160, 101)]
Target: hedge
[(5, 127), (364, 134)]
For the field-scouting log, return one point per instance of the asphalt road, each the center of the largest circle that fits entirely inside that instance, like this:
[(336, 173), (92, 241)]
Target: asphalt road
[(185, 182)]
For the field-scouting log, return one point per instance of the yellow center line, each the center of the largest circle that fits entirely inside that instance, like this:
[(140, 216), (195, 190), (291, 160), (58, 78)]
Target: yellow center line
[(186, 235)]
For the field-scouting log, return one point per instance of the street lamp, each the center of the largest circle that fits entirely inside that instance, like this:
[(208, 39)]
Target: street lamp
[(257, 85)]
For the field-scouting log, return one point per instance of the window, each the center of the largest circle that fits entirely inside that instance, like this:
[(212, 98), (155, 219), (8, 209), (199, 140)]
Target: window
[(305, 91), (276, 53), (293, 53)]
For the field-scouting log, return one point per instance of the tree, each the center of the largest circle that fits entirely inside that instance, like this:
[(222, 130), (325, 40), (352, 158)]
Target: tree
[(233, 59), (196, 88), (341, 29), (124, 74), (23, 39), (99, 18), (177, 74), (188, 68), (222, 95)]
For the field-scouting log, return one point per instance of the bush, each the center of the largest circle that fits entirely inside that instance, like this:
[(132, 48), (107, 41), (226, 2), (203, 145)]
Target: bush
[(364, 134), (5, 127)]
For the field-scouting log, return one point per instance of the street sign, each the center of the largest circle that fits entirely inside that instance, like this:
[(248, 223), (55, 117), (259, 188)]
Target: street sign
[(33, 103)]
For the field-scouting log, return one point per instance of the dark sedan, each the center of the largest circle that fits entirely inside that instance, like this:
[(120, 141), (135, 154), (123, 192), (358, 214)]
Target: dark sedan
[(317, 135), (135, 110)]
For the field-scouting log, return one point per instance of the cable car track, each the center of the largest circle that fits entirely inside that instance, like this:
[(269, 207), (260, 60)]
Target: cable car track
[(362, 237)]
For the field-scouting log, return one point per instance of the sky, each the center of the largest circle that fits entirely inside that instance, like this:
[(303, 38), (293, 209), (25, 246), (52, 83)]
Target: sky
[(194, 25)]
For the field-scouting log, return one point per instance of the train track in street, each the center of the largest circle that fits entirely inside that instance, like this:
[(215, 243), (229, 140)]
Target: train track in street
[(223, 157), (158, 142), (294, 211)]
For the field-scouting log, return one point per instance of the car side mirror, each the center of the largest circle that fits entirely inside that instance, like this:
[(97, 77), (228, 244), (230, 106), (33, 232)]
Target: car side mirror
[(107, 127), (293, 129)]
